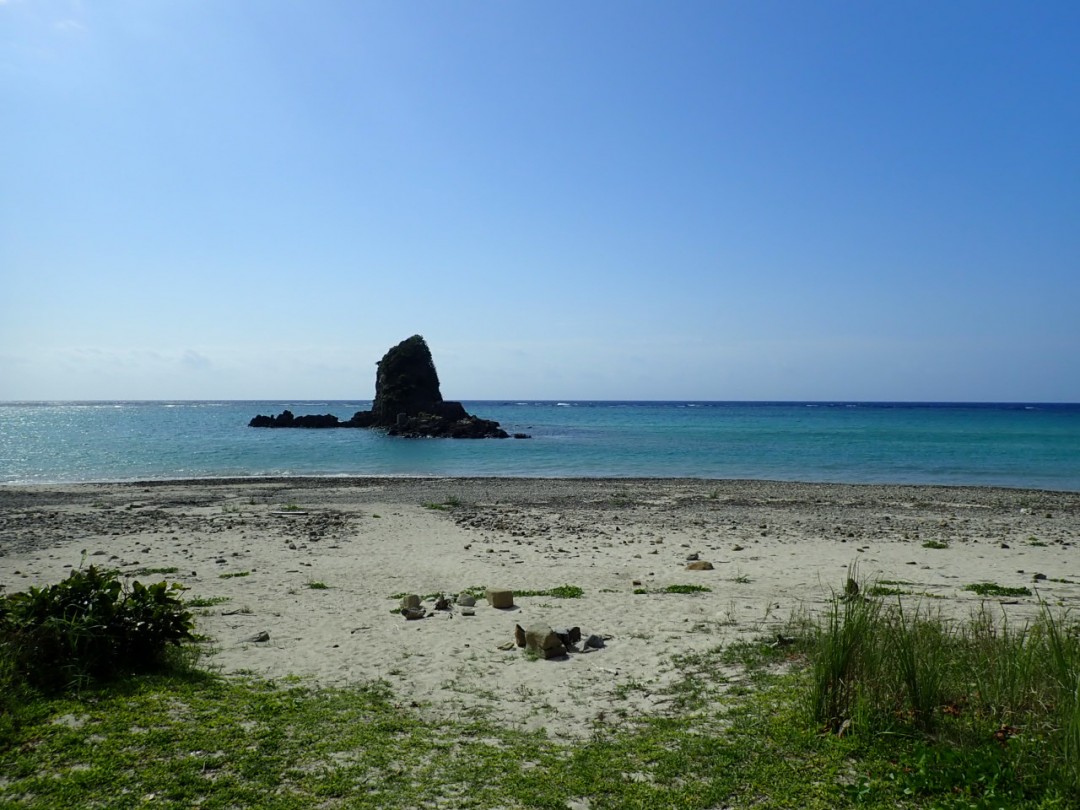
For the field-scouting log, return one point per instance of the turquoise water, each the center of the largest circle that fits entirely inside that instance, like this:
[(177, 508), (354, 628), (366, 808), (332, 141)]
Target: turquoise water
[(1008, 445)]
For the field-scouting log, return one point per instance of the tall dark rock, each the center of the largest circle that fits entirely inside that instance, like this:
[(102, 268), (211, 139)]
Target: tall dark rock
[(406, 383)]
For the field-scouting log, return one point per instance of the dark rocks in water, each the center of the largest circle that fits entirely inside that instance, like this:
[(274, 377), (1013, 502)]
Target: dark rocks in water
[(362, 419), (407, 403), (286, 419), (426, 425)]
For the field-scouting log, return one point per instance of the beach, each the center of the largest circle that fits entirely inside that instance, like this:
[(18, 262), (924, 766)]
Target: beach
[(319, 565)]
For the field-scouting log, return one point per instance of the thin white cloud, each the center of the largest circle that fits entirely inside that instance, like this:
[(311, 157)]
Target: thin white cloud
[(194, 360)]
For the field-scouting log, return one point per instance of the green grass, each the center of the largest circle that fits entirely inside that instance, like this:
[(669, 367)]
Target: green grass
[(149, 572), (192, 739), (687, 589), (993, 589), (318, 586), (205, 602), (935, 544), (924, 713), (446, 505), (886, 590), (982, 707), (234, 574), (560, 592), (677, 589)]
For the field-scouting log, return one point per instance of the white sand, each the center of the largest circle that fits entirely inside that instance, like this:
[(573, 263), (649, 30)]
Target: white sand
[(777, 549)]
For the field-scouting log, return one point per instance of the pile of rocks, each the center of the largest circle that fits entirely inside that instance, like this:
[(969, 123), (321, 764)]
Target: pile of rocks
[(412, 607), (545, 641), (539, 639)]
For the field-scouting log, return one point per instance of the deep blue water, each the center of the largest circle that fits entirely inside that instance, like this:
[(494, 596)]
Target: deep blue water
[(1020, 445)]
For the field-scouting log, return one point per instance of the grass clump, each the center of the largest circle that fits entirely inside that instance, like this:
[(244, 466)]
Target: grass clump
[(448, 503), (206, 601), (318, 586), (881, 589), (993, 589), (149, 572), (687, 589), (991, 711), (234, 574), (559, 592), (676, 589), (935, 544)]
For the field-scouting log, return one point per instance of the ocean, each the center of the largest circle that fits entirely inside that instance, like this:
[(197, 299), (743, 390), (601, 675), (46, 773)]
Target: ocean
[(1012, 445)]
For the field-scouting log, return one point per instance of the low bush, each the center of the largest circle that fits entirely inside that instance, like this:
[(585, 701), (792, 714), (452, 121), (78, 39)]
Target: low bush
[(91, 626)]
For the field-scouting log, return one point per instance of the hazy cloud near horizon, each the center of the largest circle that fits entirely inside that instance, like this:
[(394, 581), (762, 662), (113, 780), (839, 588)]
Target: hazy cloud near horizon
[(766, 201)]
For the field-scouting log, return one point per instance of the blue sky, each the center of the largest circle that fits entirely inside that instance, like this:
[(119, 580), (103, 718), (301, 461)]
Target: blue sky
[(610, 200)]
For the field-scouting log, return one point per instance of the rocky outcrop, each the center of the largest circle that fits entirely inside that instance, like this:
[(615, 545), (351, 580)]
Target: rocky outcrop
[(286, 419), (406, 383), (433, 425), (407, 403)]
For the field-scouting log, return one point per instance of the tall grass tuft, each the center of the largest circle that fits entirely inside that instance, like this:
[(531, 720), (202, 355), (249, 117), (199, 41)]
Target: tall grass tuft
[(917, 648), (1005, 699), (1064, 644), (846, 647)]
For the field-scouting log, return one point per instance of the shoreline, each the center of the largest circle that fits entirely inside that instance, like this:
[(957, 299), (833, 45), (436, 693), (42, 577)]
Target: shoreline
[(343, 479), (259, 550)]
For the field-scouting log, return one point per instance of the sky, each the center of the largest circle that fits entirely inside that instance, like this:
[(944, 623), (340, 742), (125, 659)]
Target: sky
[(718, 200)]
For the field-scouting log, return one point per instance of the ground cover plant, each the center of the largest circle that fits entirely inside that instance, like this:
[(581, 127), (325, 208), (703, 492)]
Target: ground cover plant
[(876, 704)]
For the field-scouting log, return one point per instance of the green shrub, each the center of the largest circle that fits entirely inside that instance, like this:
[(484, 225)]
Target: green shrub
[(89, 627)]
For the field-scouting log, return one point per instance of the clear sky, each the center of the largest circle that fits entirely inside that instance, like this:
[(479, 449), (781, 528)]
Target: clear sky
[(728, 199)]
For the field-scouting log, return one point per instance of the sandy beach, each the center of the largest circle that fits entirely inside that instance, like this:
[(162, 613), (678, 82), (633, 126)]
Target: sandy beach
[(262, 551)]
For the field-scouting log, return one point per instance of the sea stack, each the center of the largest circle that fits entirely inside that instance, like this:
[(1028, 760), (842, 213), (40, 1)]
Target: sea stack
[(407, 402)]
